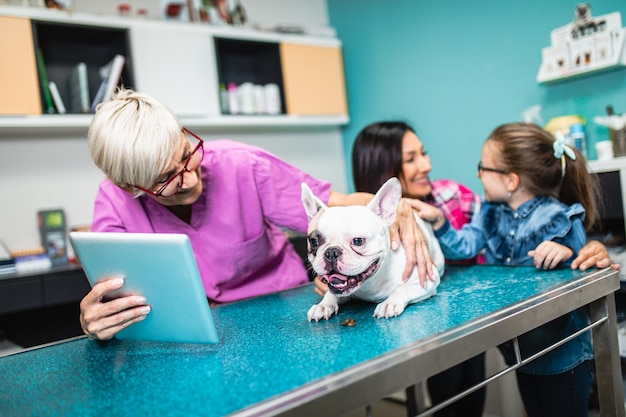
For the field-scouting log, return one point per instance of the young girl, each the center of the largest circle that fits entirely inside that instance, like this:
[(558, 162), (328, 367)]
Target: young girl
[(539, 201)]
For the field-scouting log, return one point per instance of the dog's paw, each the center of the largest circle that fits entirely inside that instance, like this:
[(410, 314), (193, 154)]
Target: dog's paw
[(388, 309), (322, 311)]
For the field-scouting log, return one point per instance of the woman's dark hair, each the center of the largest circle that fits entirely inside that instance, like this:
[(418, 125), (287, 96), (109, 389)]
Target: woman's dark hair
[(527, 150), (377, 154)]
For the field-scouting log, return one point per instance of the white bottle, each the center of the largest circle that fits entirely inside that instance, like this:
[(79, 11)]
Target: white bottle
[(272, 99), (259, 99), (233, 98), (246, 98)]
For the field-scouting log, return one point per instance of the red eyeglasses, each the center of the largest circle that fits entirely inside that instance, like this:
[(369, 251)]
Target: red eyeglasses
[(173, 184)]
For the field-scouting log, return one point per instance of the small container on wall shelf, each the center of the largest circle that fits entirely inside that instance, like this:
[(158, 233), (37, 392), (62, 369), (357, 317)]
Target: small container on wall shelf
[(577, 134), (573, 129), (616, 125)]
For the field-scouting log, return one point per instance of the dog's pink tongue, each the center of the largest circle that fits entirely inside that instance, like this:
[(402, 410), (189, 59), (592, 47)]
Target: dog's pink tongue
[(335, 278)]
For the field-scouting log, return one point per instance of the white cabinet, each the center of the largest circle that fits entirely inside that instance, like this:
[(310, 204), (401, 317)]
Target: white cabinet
[(179, 64), (177, 67)]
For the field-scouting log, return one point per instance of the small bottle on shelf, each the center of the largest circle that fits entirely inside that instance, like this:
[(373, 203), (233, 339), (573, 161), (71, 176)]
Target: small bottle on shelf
[(233, 99), (240, 12), (124, 9), (611, 112), (577, 134), (224, 99), (258, 94), (272, 99), (142, 13), (246, 98)]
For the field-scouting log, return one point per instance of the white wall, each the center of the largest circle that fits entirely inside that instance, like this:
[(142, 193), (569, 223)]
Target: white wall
[(44, 171)]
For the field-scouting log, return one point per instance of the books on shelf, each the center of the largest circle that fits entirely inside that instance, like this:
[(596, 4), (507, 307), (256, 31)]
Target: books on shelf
[(78, 86), (47, 105), (56, 98), (110, 75)]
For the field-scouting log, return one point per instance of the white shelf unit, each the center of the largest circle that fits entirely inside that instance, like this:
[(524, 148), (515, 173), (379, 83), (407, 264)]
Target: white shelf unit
[(175, 62), (566, 48), (72, 124), (615, 164)]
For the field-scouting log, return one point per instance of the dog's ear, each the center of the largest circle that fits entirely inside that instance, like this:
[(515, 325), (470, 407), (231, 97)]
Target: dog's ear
[(386, 200), (311, 203)]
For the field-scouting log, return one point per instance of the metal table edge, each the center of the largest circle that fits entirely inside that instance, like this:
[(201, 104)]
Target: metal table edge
[(601, 283)]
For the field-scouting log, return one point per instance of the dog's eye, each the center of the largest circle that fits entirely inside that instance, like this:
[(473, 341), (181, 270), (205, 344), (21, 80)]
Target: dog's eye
[(358, 241), (313, 242)]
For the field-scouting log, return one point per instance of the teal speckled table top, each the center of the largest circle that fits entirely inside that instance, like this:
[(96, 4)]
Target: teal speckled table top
[(267, 348)]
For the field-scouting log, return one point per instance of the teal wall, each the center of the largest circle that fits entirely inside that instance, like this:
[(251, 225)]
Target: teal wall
[(456, 69)]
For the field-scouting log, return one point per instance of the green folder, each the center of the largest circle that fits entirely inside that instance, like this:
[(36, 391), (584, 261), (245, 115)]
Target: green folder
[(43, 84)]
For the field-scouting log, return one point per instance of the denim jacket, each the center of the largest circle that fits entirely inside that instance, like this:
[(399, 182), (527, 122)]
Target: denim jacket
[(507, 235)]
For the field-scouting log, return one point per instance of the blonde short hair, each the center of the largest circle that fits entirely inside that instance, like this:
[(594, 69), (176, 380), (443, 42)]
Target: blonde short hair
[(133, 137)]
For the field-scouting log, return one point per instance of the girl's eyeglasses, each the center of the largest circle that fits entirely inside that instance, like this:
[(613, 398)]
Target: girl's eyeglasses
[(484, 168)]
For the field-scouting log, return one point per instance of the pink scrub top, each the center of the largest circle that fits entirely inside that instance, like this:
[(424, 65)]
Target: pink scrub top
[(248, 196)]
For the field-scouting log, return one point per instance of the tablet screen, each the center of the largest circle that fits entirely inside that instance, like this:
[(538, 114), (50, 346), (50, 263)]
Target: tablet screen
[(162, 268)]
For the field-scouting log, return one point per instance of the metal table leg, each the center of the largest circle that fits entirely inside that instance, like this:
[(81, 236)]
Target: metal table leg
[(606, 350)]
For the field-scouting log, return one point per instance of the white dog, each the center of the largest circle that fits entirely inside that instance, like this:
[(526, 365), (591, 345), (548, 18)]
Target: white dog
[(349, 248)]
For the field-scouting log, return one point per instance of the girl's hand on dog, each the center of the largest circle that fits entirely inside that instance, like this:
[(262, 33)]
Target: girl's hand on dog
[(427, 212)]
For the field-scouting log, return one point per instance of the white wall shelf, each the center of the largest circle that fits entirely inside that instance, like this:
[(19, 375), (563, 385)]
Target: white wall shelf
[(569, 58), (52, 124), (591, 70), (615, 164)]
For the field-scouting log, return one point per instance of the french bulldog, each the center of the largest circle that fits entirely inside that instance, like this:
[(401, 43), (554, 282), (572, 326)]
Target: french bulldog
[(349, 248)]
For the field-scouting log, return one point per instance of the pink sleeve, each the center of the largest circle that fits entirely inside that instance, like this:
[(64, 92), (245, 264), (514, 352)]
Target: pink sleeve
[(280, 191)]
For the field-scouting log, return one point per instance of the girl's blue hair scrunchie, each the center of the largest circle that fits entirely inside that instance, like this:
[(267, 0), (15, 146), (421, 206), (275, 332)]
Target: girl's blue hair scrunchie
[(561, 148)]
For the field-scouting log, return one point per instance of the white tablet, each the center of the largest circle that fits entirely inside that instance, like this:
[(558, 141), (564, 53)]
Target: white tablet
[(162, 268)]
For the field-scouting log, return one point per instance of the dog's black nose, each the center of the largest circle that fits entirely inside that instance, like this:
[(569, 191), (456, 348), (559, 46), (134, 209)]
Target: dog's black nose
[(332, 254)]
